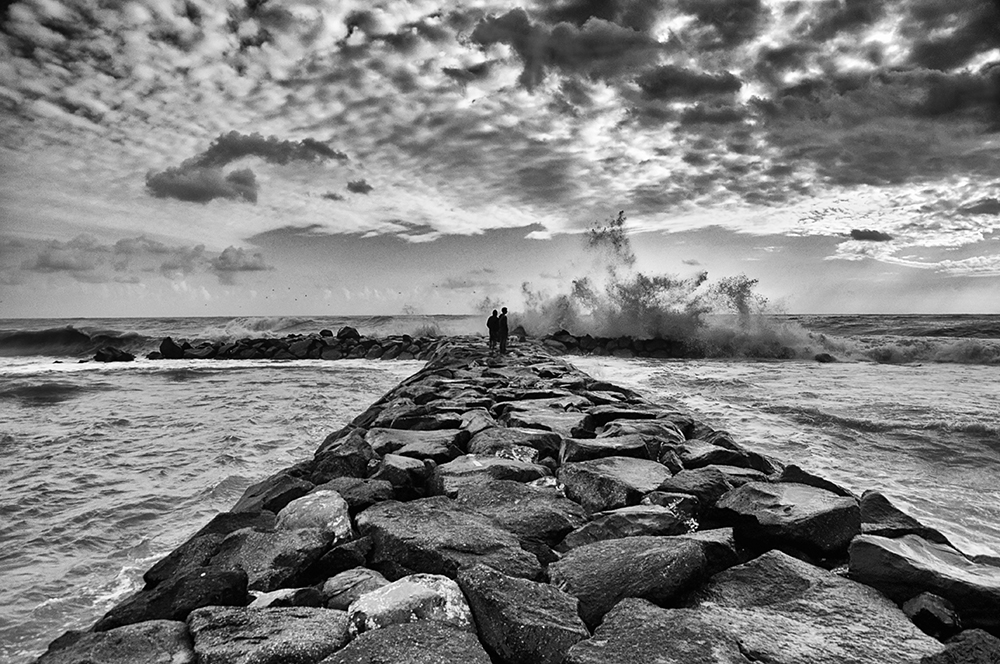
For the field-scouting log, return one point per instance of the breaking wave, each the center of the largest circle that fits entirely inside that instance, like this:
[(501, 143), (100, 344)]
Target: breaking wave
[(66, 341)]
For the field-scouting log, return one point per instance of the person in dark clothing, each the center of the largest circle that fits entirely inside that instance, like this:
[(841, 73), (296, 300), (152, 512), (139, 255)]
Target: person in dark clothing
[(502, 330), (493, 325)]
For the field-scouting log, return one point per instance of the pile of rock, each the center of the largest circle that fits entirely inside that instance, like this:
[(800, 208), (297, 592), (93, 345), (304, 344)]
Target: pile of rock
[(564, 342), (347, 343), (516, 510)]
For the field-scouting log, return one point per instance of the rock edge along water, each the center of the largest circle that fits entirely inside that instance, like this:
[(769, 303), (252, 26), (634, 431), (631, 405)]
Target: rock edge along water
[(514, 509)]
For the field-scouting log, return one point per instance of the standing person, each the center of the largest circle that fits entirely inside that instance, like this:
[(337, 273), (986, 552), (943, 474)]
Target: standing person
[(493, 325), (502, 331)]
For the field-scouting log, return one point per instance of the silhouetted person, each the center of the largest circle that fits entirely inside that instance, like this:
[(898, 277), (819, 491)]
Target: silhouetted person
[(493, 325), (502, 331)]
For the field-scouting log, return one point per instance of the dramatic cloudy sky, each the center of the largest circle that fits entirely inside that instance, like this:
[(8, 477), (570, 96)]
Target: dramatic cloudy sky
[(256, 157)]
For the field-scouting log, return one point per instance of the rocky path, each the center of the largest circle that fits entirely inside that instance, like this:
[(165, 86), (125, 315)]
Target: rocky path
[(516, 510)]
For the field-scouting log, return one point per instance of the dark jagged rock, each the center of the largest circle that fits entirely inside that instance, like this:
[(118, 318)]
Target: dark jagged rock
[(112, 354), (935, 616), (412, 598), (273, 493), (359, 493), (343, 588), (881, 517), (909, 565), (522, 621), (660, 569), (502, 441), (635, 445), (448, 478), (792, 473), (739, 476), (340, 558), (170, 350), (175, 598), (631, 521), (611, 482), (407, 476), (390, 441), (204, 544), (796, 518), (298, 635), (682, 504), (348, 332), (706, 484), (150, 642), (348, 456), (602, 415), (973, 646), (438, 536), (424, 642), (564, 423), (667, 432)]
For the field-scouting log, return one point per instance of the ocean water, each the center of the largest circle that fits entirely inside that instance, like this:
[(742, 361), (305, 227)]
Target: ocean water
[(106, 468)]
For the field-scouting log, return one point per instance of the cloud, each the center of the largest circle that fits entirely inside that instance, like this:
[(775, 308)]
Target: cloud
[(236, 259), (869, 235), (671, 82), (359, 187), (731, 22), (332, 196), (200, 185), (227, 148)]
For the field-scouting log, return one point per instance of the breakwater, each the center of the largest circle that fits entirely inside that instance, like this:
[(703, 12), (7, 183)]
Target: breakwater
[(516, 509)]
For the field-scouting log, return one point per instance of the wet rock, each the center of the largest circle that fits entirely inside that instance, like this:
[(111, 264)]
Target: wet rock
[(348, 332), (296, 635), (531, 513), (602, 415), (880, 517), (447, 479), (706, 484), (340, 558), (404, 414), (566, 424), (178, 596), (501, 441), (341, 590), (739, 476), (424, 642), (112, 354), (199, 549), (289, 597), (973, 646), (522, 621), (628, 522), (935, 616), (792, 473), (667, 432), (599, 575), (321, 511), (696, 453), (636, 446), (824, 358), (907, 566), (359, 493), (475, 421), (793, 517), (719, 547), (436, 451), (682, 504), (611, 482), (171, 350), (390, 441), (407, 476), (271, 559), (150, 642), (438, 536), (347, 456), (409, 599), (273, 493)]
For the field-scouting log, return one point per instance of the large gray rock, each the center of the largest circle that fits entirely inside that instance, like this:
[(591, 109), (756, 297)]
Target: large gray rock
[(532, 513), (637, 446), (565, 423), (438, 536), (150, 642), (412, 598), (903, 568), (389, 441), (880, 517), (660, 569), (272, 494), (667, 432), (448, 479), (503, 441), (973, 646), (297, 635), (347, 456), (522, 621), (359, 493), (342, 589), (424, 642), (611, 482), (797, 518), (175, 598), (706, 484), (630, 521)]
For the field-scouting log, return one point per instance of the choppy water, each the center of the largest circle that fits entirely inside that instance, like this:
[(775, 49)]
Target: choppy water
[(105, 468)]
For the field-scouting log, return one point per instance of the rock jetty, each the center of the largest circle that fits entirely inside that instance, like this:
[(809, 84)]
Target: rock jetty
[(515, 510)]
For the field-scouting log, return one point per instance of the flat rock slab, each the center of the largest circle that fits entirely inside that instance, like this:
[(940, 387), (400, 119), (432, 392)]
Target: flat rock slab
[(566, 424), (881, 517), (298, 635), (359, 493), (630, 521), (388, 441), (798, 516), (667, 432), (599, 575), (341, 590), (632, 445), (499, 441), (438, 536), (412, 598), (903, 568), (706, 484), (271, 559), (611, 482), (783, 610), (522, 621), (529, 512), (448, 478), (424, 642), (150, 642)]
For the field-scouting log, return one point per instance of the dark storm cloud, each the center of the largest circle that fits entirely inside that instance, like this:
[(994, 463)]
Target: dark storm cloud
[(598, 48), (359, 187), (332, 196), (468, 74), (639, 15), (832, 17), (959, 32), (670, 82), (714, 115), (869, 235), (732, 22), (227, 148), (201, 185)]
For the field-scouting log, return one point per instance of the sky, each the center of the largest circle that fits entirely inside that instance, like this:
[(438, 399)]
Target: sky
[(287, 157)]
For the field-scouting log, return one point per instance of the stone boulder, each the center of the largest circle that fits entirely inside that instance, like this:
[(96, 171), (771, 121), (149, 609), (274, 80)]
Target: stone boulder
[(637, 446), (409, 599), (112, 354), (297, 635), (880, 517), (667, 432), (288, 597), (973, 646), (504, 441), (797, 518), (170, 350), (630, 521), (325, 512), (359, 493), (907, 566), (447, 479), (390, 441), (611, 482), (178, 596), (935, 616), (706, 484), (565, 423), (272, 494), (438, 536), (793, 473), (347, 456), (341, 590), (423, 642), (523, 622), (599, 575), (149, 642)]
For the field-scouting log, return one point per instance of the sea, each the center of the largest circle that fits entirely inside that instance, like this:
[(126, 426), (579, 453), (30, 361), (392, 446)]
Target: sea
[(105, 468)]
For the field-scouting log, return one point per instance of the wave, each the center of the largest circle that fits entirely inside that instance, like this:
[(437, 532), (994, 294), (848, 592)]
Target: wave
[(239, 328), (47, 393), (67, 341), (817, 417)]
